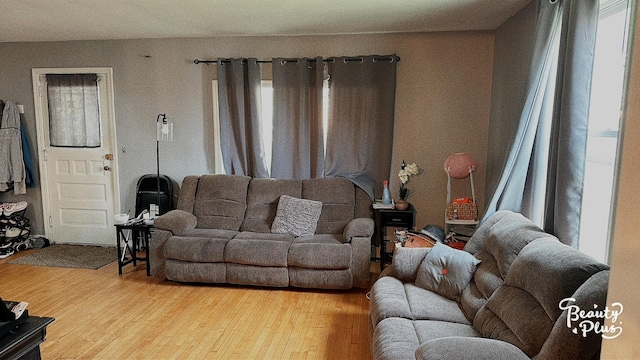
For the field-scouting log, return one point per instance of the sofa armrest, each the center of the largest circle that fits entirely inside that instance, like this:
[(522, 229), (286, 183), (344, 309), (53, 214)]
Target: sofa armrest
[(157, 260), (406, 262), (358, 233), (360, 227), (469, 348), (176, 221)]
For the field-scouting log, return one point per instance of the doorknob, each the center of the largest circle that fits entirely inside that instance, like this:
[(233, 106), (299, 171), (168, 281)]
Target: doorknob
[(107, 168), (108, 157)]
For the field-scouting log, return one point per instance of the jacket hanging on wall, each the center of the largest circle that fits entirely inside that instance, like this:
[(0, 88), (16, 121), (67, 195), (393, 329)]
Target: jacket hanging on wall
[(12, 170), (29, 176)]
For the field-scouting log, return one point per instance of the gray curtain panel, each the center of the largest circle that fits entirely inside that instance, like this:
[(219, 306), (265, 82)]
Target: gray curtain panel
[(570, 120), (298, 146), (240, 117), (542, 177), (361, 112)]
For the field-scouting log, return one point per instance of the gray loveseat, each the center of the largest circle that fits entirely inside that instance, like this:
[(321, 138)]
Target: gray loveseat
[(510, 309), (221, 233)]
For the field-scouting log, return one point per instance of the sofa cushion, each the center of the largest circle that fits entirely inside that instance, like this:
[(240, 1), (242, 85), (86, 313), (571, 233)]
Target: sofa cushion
[(320, 278), (406, 262), (398, 338), (187, 271), (275, 276), (508, 236), (470, 348), (486, 280), (391, 297), (388, 300), (563, 343), (187, 197), (433, 329), (337, 196), (258, 249), (221, 201), (446, 271), (427, 305), (475, 243), (198, 248), (394, 338), (211, 233), (497, 242), (324, 251), (551, 259), (298, 217), (524, 310), (262, 202)]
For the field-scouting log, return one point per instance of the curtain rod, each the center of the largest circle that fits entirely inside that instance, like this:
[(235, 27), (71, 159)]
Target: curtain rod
[(355, 58)]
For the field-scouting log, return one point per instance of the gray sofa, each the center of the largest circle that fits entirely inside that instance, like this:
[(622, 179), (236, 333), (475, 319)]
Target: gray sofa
[(221, 232), (510, 308)]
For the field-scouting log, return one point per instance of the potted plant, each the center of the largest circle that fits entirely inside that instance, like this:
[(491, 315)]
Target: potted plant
[(405, 174)]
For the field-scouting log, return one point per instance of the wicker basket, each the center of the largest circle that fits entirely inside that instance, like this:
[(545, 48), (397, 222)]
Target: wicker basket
[(461, 210), (465, 211)]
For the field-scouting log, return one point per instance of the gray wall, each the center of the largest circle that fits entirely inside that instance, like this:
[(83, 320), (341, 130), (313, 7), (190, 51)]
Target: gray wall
[(512, 55), (442, 100)]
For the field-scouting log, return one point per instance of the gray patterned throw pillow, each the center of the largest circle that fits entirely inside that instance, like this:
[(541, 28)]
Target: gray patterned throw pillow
[(298, 217), (446, 271)]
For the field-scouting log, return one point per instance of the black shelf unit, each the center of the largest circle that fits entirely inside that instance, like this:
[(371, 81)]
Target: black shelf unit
[(18, 221), (404, 219)]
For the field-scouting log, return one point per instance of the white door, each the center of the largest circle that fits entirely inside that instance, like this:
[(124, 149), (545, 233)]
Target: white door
[(80, 192)]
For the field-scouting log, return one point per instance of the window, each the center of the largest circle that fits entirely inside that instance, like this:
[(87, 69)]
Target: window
[(267, 121), (604, 120), (267, 124)]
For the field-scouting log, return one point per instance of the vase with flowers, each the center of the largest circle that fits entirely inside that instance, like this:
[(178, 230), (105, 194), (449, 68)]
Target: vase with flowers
[(405, 174)]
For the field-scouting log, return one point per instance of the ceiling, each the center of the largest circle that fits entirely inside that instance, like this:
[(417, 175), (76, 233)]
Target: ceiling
[(61, 20)]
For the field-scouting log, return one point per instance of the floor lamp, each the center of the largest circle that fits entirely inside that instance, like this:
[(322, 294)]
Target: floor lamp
[(164, 132)]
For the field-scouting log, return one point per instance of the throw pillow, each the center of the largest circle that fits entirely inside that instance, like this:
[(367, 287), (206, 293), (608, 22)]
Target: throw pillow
[(298, 217), (446, 271)]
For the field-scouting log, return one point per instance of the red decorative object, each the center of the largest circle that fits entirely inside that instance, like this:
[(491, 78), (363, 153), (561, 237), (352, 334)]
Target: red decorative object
[(457, 245), (460, 165)]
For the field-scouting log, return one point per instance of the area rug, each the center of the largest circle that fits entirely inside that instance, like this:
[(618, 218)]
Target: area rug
[(69, 256)]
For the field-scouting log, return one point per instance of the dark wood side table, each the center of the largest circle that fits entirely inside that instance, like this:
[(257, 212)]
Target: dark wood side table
[(391, 218), (128, 241), (25, 342)]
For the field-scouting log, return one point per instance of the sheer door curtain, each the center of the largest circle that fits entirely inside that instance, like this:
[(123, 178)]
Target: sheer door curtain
[(74, 112)]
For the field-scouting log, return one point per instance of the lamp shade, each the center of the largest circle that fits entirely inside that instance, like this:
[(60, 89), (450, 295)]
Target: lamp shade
[(460, 165)]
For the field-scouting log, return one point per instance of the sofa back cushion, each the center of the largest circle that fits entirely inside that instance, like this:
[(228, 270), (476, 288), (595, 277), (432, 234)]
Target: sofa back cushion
[(524, 310), (262, 202), (363, 204), (187, 197), (507, 237), (233, 202), (221, 201), (562, 342), (497, 243), (338, 202)]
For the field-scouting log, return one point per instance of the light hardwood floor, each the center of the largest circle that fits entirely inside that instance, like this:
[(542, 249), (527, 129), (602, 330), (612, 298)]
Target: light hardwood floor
[(100, 315)]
